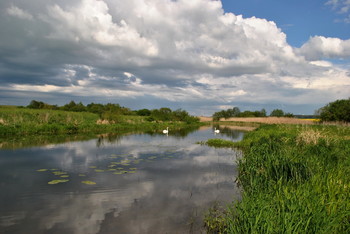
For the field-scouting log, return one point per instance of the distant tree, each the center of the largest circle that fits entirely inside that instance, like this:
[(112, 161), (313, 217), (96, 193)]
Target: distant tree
[(143, 112), (338, 110), (277, 113), (41, 105), (36, 104), (289, 115)]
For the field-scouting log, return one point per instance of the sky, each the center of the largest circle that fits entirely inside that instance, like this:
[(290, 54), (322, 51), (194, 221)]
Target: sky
[(202, 56)]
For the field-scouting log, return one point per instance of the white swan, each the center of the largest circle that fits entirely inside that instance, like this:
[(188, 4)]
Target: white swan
[(216, 131), (166, 131)]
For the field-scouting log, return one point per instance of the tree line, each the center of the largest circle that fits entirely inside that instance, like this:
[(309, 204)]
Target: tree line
[(112, 111), (236, 112)]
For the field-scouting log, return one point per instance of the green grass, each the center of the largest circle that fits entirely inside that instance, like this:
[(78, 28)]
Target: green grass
[(295, 179), (15, 122)]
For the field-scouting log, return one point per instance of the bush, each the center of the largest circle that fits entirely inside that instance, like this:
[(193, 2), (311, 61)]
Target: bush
[(336, 111)]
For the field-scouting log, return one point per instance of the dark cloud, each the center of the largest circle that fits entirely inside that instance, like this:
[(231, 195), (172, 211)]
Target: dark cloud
[(177, 53)]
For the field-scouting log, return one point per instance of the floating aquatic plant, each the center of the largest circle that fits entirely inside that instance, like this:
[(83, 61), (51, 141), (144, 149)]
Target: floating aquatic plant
[(41, 170), (152, 157), (64, 176), (81, 175), (92, 167), (88, 182), (133, 168), (57, 181), (59, 173), (99, 170)]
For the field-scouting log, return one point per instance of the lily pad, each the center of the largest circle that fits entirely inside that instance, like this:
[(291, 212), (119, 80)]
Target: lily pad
[(64, 176), (41, 170), (59, 173), (57, 181), (152, 157), (92, 167), (82, 175), (133, 168), (99, 170), (88, 182)]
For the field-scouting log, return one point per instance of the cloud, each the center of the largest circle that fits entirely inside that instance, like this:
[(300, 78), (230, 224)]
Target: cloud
[(320, 47), (177, 53), (17, 12), (342, 7)]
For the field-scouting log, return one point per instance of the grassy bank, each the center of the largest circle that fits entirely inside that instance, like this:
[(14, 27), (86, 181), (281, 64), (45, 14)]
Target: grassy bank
[(16, 121), (295, 179)]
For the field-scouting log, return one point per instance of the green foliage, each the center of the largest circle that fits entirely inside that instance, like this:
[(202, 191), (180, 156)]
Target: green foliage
[(220, 143), (277, 113), (235, 112), (143, 112), (295, 180), (336, 111), (166, 114)]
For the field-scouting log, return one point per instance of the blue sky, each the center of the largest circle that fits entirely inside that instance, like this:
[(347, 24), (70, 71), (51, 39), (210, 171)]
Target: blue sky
[(200, 55), (299, 19)]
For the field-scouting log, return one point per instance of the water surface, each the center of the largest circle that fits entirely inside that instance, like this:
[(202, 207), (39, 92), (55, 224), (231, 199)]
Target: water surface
[(144, 183)]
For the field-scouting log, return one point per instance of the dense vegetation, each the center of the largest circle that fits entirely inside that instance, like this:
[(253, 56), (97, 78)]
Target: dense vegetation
[(236, 112), (338, 110), (115, 112), (25, 121), (295, 179)]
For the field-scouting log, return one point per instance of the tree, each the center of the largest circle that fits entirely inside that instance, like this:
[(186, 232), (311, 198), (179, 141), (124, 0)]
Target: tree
[(338, 110), (277, 113), (143, 112)]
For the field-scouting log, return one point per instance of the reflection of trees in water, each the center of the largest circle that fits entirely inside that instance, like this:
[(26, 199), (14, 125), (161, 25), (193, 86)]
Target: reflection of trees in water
[(42, 140), (231, 133), (117, 137)]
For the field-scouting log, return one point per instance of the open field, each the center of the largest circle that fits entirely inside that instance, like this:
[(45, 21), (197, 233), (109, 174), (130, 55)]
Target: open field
[(295, 179), (265, 120)]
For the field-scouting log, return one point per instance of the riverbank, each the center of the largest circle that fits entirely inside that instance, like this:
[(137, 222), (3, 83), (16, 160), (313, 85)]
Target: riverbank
[(294, 179), (263, 120), (16, 121)]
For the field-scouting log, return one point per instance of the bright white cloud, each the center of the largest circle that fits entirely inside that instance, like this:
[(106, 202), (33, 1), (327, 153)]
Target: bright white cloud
[(319, 47), (176, 51)]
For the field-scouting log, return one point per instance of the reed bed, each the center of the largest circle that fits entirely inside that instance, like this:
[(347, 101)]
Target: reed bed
[(295, 179)]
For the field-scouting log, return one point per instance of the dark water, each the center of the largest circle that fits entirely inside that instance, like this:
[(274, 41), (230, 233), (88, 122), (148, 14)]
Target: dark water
[(166, 186)]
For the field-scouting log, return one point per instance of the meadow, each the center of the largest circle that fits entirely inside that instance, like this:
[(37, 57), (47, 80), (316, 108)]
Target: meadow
[(294, 179), (16, 121)]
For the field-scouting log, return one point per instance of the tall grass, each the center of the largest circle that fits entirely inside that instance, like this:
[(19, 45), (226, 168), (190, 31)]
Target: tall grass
[(295, 179), (21, 121)]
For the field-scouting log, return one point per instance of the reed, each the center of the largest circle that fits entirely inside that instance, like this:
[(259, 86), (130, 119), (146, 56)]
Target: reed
[(294, 180)]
